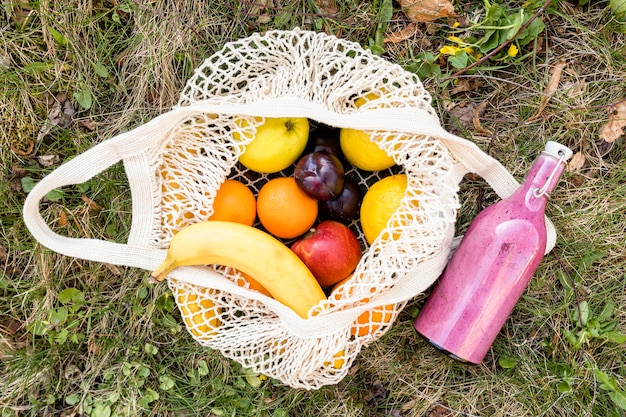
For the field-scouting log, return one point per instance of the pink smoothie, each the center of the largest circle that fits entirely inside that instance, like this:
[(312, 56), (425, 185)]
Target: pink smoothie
[(491, 268)]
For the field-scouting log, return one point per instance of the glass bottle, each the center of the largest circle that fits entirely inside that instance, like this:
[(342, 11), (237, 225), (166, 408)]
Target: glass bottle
[(492, 266)]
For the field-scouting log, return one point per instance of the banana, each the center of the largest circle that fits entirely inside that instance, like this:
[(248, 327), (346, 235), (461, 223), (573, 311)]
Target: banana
[(251, 251)]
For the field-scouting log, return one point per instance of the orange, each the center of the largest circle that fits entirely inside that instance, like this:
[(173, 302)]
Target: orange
[(234, 202), (253, 284), (284, 209), (369, 321)]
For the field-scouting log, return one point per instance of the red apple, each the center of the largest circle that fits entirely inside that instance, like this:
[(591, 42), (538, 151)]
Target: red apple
[(330, 250)]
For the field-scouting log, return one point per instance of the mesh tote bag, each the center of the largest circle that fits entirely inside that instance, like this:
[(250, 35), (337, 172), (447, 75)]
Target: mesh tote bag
[(176, 162)]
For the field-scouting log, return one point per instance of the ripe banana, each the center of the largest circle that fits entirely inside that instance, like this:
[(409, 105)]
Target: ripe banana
[(251, 251)]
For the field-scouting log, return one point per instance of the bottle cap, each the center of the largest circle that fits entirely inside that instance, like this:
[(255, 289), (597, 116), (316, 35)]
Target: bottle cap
[(558, 151)]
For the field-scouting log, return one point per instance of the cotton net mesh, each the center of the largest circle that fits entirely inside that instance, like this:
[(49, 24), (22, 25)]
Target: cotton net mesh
[(330, 74)]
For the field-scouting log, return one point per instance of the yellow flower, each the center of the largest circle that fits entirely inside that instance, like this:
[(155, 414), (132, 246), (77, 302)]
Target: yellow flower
[(456, 24), (457, 40), (449, 50), (512, 50)]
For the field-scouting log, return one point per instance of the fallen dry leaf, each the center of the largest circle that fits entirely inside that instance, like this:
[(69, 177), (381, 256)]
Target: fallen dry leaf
[(603, 147), (62, 219), (90, 203), (61, 114), (113, 269), (71, 372), (88, 124), (376, 394), (15, 178), (408, 406), (93, 347), (614, 128), (577, 162), (553, 83), (478, 111), (401, 35), (327, 7), (11, 325), (11, 338), (447, 103), (259, 7), (354, 370), (440, 410), (328, 31), (464, 85), (265, 18), (576, 87), (27, 152), (47, 161), (426, 10), (464, 111)]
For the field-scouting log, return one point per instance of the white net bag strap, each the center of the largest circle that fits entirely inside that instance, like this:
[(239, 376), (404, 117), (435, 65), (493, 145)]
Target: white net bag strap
[(130, 147)]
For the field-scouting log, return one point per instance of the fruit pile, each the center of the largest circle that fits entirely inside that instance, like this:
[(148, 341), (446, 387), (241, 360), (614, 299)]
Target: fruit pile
[(318, 196)]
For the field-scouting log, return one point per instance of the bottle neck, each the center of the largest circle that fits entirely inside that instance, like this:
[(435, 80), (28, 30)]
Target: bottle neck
[(541, 180)]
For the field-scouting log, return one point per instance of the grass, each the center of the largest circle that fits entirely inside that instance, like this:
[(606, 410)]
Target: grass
[(82, 338)]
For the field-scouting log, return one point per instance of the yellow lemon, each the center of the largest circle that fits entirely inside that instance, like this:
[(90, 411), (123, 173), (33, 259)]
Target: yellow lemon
[(368, 97), (278, 142), (362, 152), (380, 202), (359, 148), (200, 316)]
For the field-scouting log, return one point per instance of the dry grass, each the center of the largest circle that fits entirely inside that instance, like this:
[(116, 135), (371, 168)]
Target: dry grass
[(118, 352)]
